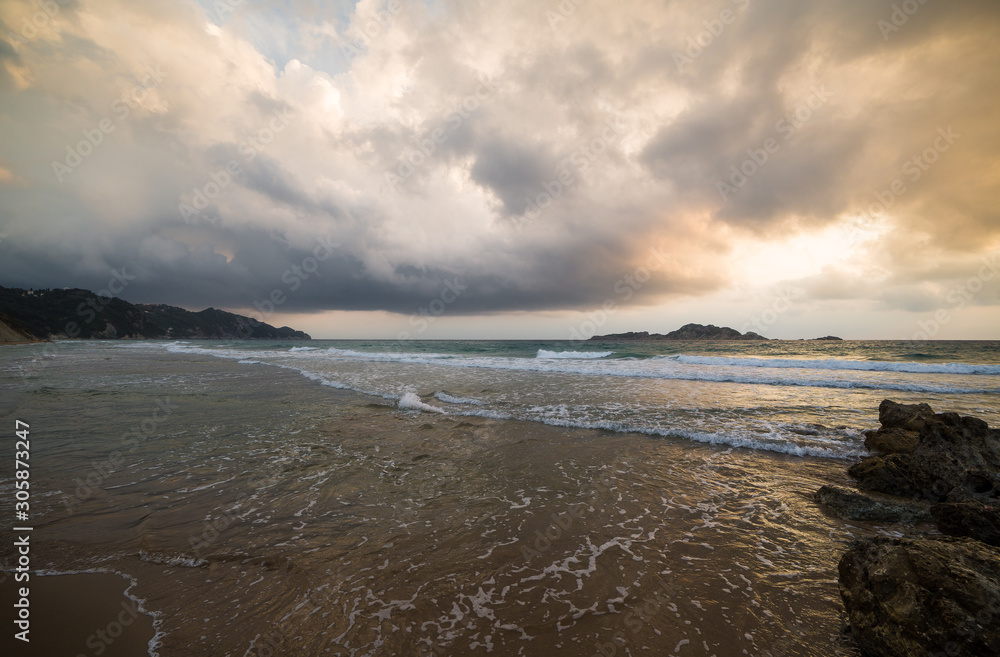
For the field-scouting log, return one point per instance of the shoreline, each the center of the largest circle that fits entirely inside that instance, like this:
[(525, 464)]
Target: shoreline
[(87, 612), (306, 494), (446, 447)]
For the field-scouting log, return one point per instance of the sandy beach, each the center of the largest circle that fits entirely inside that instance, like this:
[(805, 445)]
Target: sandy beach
[(87, 614)]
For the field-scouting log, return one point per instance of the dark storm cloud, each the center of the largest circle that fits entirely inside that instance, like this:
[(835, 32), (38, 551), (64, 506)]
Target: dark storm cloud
[(512, 171), (839, 104)]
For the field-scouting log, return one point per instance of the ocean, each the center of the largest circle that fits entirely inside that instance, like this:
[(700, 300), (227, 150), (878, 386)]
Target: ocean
[(466, 497)]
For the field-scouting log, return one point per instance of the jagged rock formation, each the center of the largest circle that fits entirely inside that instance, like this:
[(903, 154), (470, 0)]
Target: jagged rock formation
[(686, 332), (852, 505), (925, 595), (76, 313), (938, 457), (916, 596)]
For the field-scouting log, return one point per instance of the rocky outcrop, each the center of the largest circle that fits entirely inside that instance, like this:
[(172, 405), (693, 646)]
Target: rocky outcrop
[(915, 596), (938, 457), (889, 475), (910, 417), (973, 519), (954, 450), (686, 332), (924, 595), (852, 505), (892, 441), (829, 337)]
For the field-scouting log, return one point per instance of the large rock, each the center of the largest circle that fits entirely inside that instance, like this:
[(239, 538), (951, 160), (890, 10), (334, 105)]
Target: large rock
[(973, 519), (903, 416), (951, 447), (918, 596), (900, 431), (851, 505), (889, 475), (953, 458), (977, 485), (892, 441)]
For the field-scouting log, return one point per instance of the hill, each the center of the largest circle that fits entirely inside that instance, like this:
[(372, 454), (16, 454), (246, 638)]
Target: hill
[(76, 313), (686, 332), (12, 332)]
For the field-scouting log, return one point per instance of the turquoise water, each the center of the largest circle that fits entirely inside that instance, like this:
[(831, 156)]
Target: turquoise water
[(798, 397), (961, 351)]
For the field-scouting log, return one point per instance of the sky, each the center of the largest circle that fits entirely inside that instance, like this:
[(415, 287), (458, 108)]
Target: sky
[(520, 169)]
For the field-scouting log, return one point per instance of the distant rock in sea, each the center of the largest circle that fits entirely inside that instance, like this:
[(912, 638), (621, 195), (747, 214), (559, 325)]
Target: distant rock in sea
[(686, 332), (829, 337), (76, 313)]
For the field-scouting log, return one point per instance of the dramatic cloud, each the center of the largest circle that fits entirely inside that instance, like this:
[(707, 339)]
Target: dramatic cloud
[(534, 154)]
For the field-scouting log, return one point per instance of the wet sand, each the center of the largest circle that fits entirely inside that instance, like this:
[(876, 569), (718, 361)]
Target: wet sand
[(267, 515), (74, 615)]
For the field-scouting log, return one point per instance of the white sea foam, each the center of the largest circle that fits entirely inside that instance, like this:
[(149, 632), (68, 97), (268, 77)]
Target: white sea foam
[(304, 349), (581, 355), (552, 400), (410, 401), (777, 444), (452, 399), (172, 560), (718, 370), (387, 355), (669, 368), (837, 364)]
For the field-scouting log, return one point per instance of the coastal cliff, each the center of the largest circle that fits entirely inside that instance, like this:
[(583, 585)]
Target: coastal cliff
[(76, 313), (12, 332)]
